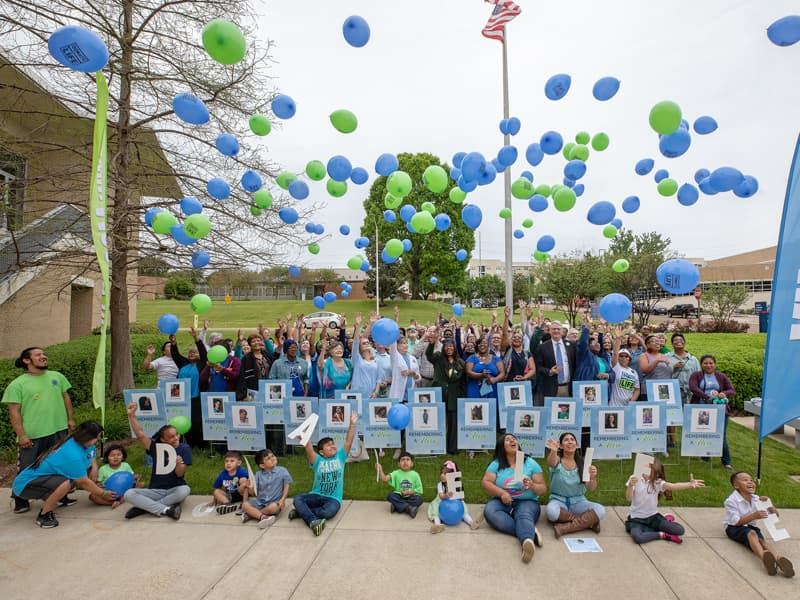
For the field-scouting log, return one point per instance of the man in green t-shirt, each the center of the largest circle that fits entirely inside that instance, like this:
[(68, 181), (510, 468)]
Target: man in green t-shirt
[(40, 411)]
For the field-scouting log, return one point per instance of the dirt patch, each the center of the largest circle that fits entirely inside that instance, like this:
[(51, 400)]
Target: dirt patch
[(7, 474)]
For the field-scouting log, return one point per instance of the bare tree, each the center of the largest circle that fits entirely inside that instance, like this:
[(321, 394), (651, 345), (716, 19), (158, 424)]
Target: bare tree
[(156, 53)]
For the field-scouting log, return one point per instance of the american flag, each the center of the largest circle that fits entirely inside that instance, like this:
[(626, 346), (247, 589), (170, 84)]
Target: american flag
[(503, 12)]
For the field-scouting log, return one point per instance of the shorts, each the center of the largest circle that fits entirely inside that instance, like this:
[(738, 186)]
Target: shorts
[(41, 487), (739, 533), (261, 503), (233, 497)]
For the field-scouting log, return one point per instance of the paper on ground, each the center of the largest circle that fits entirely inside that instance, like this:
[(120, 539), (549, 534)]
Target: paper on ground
[(581, 545)]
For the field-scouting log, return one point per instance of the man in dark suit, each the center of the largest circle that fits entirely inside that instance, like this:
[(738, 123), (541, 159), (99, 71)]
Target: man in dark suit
[(555, 379)]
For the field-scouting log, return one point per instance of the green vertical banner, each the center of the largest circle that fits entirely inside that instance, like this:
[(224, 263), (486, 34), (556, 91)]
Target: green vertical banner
[(98, 209)]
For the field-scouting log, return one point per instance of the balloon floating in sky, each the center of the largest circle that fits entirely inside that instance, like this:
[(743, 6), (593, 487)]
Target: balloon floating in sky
[(294, 270), (339, 168), (191, 206), (615, 308), (224, 42), (472, 216), (785, 31), (675, 144), (200, 303), (550, 143), (546, 243), (557, 86), (620, 265), (534, 154), (435, 179), (687, 194), (513, 126), (168, 324), (190, 109), (678, 276), (724, 179), (359, 175), (283, 106), (260, 125), (601, 213), (197, 226), (78, 48), (151, 214), (263, 198), (298, 189), (458, 309), (251, 181), (704, 125), (318, 302), (746, 187), (227, 144), (344, 229), (605, 88), (288, 215), (344, 121), (386, 164), (461, 255), (218, 188), (385, 332), (665, 117), (644, 166), (356, 31), (200, 259)]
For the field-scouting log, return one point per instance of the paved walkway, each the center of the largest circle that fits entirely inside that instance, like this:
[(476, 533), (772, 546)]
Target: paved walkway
[(366, 553)]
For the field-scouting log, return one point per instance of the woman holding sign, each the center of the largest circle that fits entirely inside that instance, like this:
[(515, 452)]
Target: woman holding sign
[(514, 508), (449, 374), (484, 370), (710, 386)]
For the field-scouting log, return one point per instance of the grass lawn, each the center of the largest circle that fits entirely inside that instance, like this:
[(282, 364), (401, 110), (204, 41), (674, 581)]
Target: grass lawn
[(778, 463)]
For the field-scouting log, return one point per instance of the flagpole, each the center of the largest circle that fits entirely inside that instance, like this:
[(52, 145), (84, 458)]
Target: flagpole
[(507, 181)]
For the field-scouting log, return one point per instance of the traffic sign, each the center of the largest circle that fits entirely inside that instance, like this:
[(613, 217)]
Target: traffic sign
[(697, 293)]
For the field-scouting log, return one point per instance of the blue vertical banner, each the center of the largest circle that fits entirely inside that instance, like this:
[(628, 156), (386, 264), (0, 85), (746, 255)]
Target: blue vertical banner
[(703, 428), (477, 423), (377, 433), (563, 415), (273, 394), (177, 397), (334, 419), (213, 407), (528, 426), (297, 410), (593, 394), (425, 433), (512, 394), (245, 423), (150, 410), (780, 401), (611, 432), (649, 433), (667, 391)]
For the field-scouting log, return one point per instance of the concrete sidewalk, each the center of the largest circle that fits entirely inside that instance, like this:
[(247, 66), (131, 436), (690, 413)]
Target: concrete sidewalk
[(365, 552)]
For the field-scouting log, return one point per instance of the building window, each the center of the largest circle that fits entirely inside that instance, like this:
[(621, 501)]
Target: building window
[(12, 174)]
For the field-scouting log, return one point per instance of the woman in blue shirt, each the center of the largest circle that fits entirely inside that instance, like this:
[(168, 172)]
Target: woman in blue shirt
[(514, 508)]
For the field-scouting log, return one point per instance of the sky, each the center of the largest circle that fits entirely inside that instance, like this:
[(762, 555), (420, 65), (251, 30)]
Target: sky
[(428, 81)]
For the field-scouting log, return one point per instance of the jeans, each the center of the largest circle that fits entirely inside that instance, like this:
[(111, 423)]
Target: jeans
[(401, 503), (553, 508), (311, 507), (27, 456), (516, 519), (726, 452), (156, 501)]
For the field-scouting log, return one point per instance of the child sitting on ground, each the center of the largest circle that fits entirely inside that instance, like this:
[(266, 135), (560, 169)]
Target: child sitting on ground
[(740, 512), (645, 523), (272, 483), (114, 458), (226, 487), (442, 493), (407, 494)]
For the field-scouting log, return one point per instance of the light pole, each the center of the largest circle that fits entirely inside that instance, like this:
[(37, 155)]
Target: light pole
[(377, 274)]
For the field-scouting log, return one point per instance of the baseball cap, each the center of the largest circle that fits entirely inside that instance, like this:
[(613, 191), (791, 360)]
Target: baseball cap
[(624, 351)]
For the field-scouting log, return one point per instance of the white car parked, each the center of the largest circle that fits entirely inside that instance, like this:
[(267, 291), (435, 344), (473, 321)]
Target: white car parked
[(331, 319)]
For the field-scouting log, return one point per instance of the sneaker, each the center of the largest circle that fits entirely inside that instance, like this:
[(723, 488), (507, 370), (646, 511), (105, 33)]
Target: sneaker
[(412, 511), (770, 563), (786, 567), (47, 520), (392, 509), (527, 550), (396, 454), (224, 509), (67, 501), (537, 537), (21, 505), (239, 511), (672, 538), (381, 453), (292, 514), (266, 521), (728, 467), (437, 528), (471, 454), (245, 517), (135, 512), (317, 525), (173, 512), (670, 518)]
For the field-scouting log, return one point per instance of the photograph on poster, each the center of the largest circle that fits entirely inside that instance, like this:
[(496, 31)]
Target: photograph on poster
[(425, 417), (612, 422), (252, 396), (423, 397), (664, 392), (336, 414), (514, 396), (701, 421), (148, 407), (563, 413), (275, 393), (245, 417), (647, 418), (175, 393), (528, 422), (477, 413), (379, 414), (301, 410), (590, 395), (216, 407)]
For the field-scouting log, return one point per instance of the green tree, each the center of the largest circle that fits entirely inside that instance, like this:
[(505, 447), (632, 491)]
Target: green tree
[(525, 286), (178, 287), (721, 300), (432, 254), (390, 280), (569, 279)]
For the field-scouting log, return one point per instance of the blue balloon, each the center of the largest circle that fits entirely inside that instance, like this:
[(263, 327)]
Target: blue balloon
[(388, 259), (283, 106), (227, 144), (442, 222), (407, 245), (557, 86), (457, 158), (534, 154), (631, 204), (466, 186), (746, 187), (785, 31), (455, 173), (319, 302), (362, 242), (661, 174), (458, 309), (568, 182), (473, 164), (451, 511), (389, 216), (119, 483), (190, 206), (298, 189), (601, 213), (551, 142), (345, 293), (527, 175), (578, 189), (251, 181), (190, 109), (364, 266), (386, 164), (704, 125), (461, 255), (406, 212), (343, 285), (218, 188), (385, 332), (488, 174), (678, 276), (168, 324), (725, 179), (498, 166), (546, 243), (310, 227), (359, 175), (617, 223), (514, 125), (200, 259), (319, 229), (575, 169), (344, 229), (504, 126), (701, 174), (356, 31), (180, 236), (519, 234), (434, 280), (399, 415), (410, 228), (288, 215), (507, 155), (615, 308), (339, 168), (78, 48), (644, 166), (150, 215), (471, 215), (605, 88), (687, 194), (329, 297), (675, 144), (706, 187), (537, 203), (294, 270), (684, 124)]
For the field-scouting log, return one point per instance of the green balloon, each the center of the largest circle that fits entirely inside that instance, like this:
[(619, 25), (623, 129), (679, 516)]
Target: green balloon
[(284, 178), (667, 187), (505, 213), (260, 125), (263, 198), (457, 195), (394, 248), (315, 170), (665, 117), (582, 137), (224, 42), (163, 222), (181, 424), (217, 354), (337, 189), (610, 231), (423, 222), (200, 303), (197, 226), (255, 211), (399, 184), (564, 199), (600, 141), (435, 179), (527, 223), (428, 207), (355, 262), (344, 120), (579, 152), (567, 149), (543, 190), (522, 189), (539, 256), (313, 247), (391, 202), (620, 265)]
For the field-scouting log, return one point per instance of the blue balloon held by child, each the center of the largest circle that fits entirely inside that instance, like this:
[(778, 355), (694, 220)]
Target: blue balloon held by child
[(451, 511), (119, 483)]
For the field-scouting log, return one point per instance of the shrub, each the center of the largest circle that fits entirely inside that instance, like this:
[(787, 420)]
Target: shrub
[(179, 287)]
